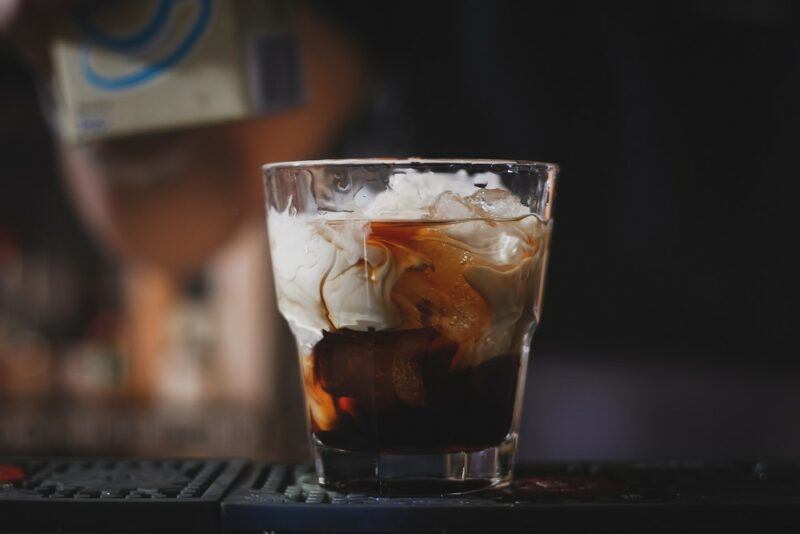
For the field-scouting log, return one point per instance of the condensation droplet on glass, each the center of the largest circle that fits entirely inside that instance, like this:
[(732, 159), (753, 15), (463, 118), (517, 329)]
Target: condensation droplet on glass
[(342, 182), (362, 197)]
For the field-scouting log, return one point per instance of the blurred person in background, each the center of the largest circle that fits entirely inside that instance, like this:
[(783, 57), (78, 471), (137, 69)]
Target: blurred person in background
[(183, 209), (674, 123)]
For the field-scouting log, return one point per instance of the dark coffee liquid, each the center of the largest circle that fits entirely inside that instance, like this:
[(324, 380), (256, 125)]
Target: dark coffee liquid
[(399, 392)]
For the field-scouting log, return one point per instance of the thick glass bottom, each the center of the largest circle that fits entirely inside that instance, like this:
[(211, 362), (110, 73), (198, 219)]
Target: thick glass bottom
[(440, 473)]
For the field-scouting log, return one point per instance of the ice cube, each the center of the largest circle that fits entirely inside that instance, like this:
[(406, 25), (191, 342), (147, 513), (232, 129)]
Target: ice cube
[(407, 379), (420, 362), (348, 364), (496, 203), (374, 369), (449, 206)]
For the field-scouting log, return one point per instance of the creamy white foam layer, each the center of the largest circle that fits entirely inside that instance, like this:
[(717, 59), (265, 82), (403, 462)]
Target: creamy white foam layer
[(320, 261)]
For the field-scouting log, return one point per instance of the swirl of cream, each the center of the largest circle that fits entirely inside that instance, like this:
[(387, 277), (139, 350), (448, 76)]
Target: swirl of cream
[(507, 255), (357, 290), (328, 277), (300, 258)]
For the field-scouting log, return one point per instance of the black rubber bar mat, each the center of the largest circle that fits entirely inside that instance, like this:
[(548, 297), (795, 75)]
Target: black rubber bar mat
[(638, 497), (212, 495), (113, 495)]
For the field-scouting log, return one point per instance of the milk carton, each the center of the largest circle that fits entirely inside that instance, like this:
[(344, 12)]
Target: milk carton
[(138, 66)]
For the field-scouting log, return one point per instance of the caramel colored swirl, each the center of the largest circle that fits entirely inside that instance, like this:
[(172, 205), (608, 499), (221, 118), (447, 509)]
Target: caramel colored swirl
[(471, 280)]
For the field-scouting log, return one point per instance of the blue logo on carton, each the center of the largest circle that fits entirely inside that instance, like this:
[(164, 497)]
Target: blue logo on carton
[(144, 38)]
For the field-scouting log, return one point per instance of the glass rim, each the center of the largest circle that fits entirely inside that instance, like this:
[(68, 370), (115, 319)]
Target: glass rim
[(396, 162)]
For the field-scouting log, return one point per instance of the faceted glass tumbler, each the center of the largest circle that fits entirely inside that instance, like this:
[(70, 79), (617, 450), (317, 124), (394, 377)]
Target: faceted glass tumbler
[(413, 288)]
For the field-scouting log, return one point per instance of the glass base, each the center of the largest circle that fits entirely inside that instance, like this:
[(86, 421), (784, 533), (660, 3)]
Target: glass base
[(443, 473)]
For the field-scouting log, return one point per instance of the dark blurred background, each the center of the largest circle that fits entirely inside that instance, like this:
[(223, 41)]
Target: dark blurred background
[(668, 313)]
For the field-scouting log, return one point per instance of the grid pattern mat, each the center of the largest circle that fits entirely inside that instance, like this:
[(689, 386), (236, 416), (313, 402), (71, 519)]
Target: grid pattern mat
[(643, 497), (183, 495), (98, 494), (113, 479)]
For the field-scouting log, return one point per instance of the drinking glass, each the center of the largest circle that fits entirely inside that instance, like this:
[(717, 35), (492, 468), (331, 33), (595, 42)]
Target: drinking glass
[(413, 288)]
